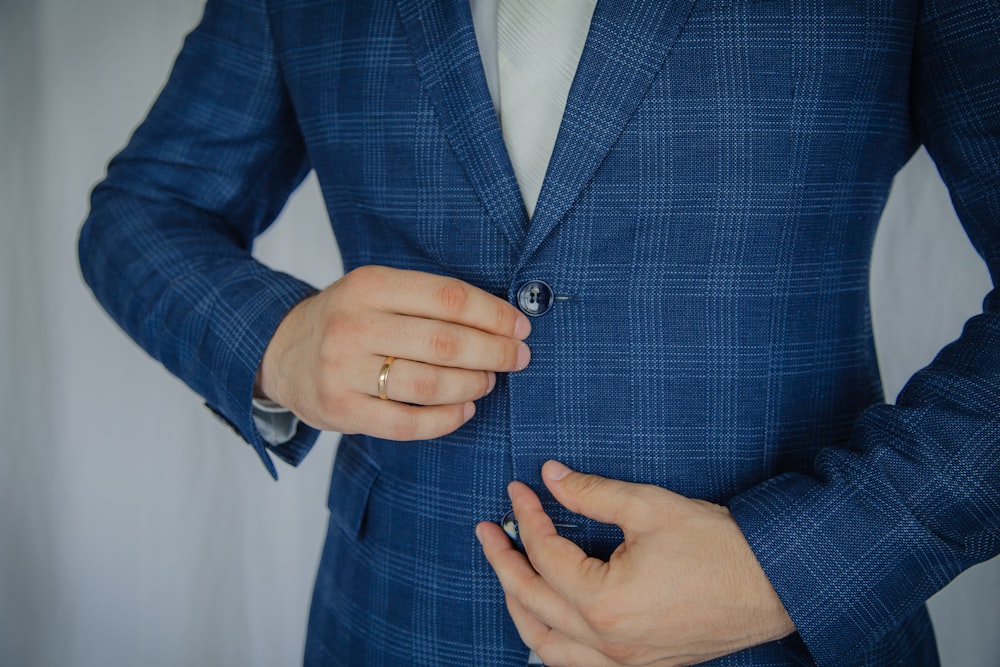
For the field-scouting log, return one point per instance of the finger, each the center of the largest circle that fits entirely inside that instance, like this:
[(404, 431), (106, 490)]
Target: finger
[(398, 421), (443, 344), (552, 646), (424, 384), (533, 632), (522, 583), (447, 299), (613, 501), (561, 563)]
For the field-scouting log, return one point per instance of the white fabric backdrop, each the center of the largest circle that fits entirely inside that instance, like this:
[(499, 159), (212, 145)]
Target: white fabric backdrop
[(134, 528)]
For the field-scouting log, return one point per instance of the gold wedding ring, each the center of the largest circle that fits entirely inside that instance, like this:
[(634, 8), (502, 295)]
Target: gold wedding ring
[(383, 377)]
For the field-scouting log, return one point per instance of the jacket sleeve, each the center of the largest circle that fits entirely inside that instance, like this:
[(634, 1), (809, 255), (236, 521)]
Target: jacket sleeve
[(167, 245), (915, 498)]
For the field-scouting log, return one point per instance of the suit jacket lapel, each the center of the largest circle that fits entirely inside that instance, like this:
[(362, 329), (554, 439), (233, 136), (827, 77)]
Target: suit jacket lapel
[(625, 49), (443, 40)]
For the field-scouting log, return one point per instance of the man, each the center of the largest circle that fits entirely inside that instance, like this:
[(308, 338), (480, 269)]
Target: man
[(693, 277)]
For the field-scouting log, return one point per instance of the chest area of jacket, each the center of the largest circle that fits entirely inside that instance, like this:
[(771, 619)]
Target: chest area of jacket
[(762, 112), (351, 71)]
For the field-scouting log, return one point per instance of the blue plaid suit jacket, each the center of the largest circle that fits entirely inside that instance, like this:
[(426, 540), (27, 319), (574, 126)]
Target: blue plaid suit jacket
[(709, 211)]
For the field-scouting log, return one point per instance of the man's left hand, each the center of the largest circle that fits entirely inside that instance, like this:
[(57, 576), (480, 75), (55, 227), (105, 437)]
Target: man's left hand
[(682, 588)]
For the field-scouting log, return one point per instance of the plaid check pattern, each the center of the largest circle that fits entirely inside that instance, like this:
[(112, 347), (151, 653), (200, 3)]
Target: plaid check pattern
[(709, 214)]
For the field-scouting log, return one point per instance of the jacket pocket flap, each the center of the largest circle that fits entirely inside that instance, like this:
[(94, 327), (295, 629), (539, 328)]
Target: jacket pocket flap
[(354, 474)]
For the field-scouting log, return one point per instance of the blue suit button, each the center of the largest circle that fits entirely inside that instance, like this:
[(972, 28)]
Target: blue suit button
[(509, 525), (535, 298)]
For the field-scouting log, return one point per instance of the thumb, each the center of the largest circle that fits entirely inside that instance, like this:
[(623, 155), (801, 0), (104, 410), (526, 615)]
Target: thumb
[(600, 498)]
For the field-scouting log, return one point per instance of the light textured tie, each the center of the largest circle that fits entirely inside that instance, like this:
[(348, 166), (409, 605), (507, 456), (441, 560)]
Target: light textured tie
[(539, 46)]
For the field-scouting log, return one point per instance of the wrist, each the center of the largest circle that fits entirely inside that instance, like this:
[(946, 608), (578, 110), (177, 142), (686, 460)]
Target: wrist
[(267, 383), (258, 388)]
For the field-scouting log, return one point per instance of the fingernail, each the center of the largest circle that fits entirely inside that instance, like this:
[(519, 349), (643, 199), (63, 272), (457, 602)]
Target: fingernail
[(523, 356), (522, 327), (468, 410), (555, 471), (479, 537), (492, 377)]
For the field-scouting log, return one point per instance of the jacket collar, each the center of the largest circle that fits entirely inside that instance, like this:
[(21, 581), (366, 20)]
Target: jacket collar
[(444, 44), (625, 49)]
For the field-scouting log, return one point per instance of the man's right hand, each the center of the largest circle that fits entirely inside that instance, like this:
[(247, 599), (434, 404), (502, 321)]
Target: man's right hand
[(449, 339)]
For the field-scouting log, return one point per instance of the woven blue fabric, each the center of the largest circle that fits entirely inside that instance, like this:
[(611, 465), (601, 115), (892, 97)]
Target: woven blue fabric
[(709, 212)]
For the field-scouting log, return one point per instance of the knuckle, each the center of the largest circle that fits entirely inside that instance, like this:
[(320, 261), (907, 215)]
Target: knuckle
[(507, 356), (601, 617), (426, 387), (329, 367), (642, 502), (622, 653), (337, 330), (454, 296), (502, 318), (364, 277), (646, 495), (445, 344), (403, 426), (353, 278), (366, 272), (589, 484), (333, 330), (330, 404)]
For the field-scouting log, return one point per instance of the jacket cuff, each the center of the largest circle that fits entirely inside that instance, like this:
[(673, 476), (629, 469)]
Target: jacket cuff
[(848, 565), (264, 299)]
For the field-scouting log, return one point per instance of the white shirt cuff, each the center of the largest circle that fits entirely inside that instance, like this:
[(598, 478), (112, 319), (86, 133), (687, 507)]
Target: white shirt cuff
[(277, 425)]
